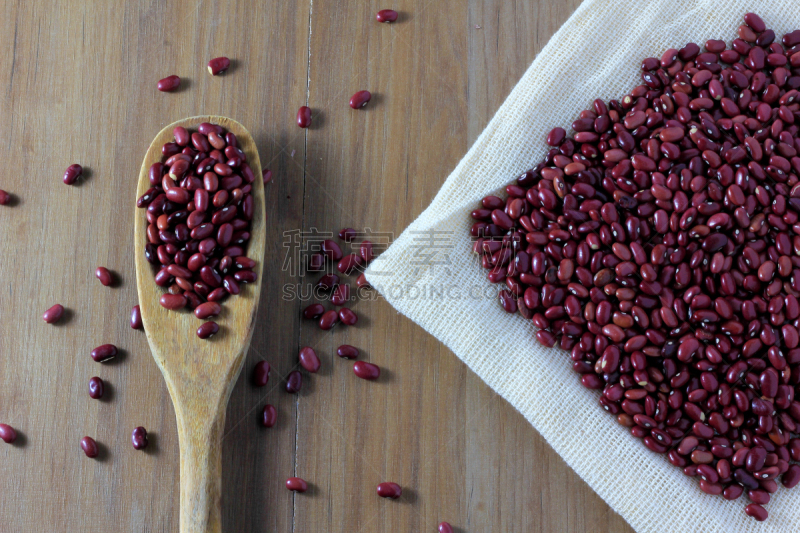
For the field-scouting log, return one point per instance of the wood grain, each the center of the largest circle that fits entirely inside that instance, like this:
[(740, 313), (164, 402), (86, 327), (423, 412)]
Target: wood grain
[(79, 86)]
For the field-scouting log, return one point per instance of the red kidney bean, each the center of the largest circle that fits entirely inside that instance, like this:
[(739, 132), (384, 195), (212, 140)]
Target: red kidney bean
[(139, 438), (294, 382), (296, 484), (105, 277), (346, 351), (89, 447), (207, 310), (341, 295), (387, 489), (304, 117), (386, 15), (104, 353), (136, 318), (269, 416), (7, 433), (360, 99), (96, 388), (350, 263), (445, 527), (366, 370), (208, 330), (169, 84), (348, 317), (218, 65), (362, 282), (756, 511), (309, 360), (173, 302), (5, 198), (245, 276), (313, 311), (72, 173), (328, 319), (331, 250), (366, 252), (261, 374), (347, 234), (54, 314)]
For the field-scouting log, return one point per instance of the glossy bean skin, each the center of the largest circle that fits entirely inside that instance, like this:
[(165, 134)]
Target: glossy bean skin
[(261, 374), (360, 99), (304, 117), (169, 84), (309, 359), (348, 317), (54, 314), (139, 438), (8, 434), (72, 174), (296, 484), (328, 319), (208, 330), (5, 197), (136, 318), (89, 447), (269, 416), (366, 370), (386, 15), (346, 351), (294, 382), (445, 527), (104, 275), (96, 388), (218, 65), (313, 311), (104, 353), (389, 489)]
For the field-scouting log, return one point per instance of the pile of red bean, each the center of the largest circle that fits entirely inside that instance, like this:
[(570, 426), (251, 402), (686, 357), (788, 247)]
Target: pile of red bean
[(199, 207), (660, 245)]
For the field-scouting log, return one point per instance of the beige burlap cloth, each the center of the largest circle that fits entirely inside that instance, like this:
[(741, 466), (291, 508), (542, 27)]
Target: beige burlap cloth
[(430, 275)]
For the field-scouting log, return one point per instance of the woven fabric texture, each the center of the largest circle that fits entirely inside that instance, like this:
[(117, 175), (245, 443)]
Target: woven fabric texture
[(596, 54)]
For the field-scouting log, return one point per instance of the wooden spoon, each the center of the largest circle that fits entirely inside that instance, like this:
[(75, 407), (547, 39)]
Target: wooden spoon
[(200, 373)]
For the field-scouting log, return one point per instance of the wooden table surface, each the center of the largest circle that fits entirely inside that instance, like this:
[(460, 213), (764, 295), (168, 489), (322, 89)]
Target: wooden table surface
[(79, 85)]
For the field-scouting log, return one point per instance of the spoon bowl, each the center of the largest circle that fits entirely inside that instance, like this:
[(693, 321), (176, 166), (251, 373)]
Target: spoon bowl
[(200, 374)]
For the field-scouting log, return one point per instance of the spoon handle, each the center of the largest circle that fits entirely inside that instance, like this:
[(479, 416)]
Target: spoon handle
[(200, 427)]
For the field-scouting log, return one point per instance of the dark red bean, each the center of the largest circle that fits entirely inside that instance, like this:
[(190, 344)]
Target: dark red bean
[(756, 511), (5, 198), (366, 370), (105, 277), (348, 317), (386, 15), (104, 353), (294, 382), (366, 252), (245, 276), (7, 433), (445, 527), (139, 438), (313, 311), (96, 388), (218, 65), (350, 263), (387, 489), (341, 295), (347, 352), (261, 374), (309, 359), (208, 330), (169, 84), (328, 319), (362, 282), (296, 484), (54, 314), (304, 117), (89, 447), (269, 416), (72, 173), (347, 234), (136, 318), (207, 310), (331, 250), (360, 99), (173, 302)]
